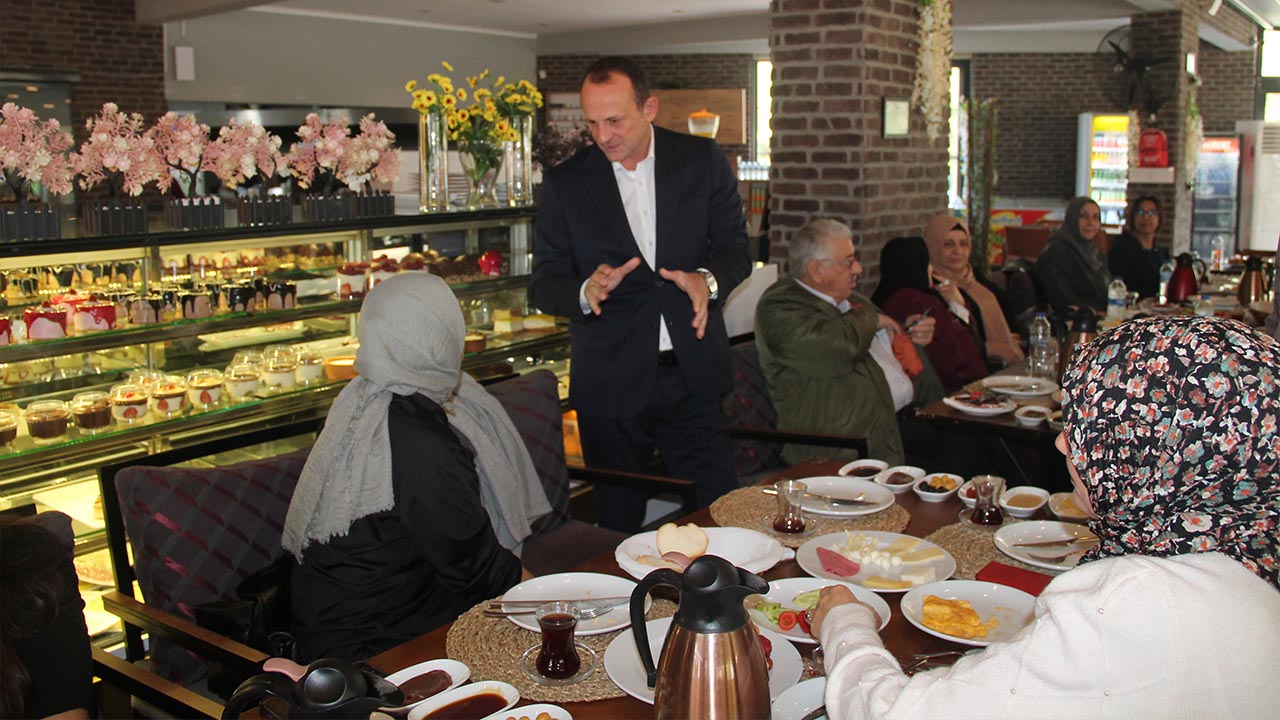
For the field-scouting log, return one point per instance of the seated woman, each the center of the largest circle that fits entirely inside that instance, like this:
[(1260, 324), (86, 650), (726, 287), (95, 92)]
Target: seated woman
[(1134, 256), (1172, 444), (45, 666), (949, 251), (907, 287), (387, 523), (1071, 270)]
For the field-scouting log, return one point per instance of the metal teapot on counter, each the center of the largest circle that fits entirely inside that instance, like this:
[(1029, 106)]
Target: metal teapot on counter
[(712, 666), (326, 688), (1084, 328), (1184, 282), (1253, 283)]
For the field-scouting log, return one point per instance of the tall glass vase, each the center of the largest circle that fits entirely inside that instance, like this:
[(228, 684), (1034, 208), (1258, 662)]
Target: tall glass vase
[(518, 164), (481, 162), (433, 163)]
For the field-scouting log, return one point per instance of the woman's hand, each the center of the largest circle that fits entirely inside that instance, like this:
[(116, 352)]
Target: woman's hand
[(949, 291), (833, 596), (920, 328)]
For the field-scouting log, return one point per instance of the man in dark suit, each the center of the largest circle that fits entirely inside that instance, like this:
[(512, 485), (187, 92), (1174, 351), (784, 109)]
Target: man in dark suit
[(640, 238)]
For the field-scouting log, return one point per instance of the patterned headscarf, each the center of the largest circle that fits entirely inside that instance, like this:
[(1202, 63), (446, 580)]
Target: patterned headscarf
[(1172, 424)]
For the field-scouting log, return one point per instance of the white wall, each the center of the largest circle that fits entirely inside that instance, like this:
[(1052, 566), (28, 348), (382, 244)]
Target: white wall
[(265, 57)]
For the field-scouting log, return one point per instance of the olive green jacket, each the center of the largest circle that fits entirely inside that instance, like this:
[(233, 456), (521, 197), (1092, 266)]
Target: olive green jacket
[(822, 377)]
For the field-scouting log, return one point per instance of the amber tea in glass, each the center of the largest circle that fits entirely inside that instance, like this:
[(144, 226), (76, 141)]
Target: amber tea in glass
[(790, 517), (558, 658), (986, 493)]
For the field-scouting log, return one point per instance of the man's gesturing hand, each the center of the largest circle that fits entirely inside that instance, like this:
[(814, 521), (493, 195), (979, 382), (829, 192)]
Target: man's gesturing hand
[(604, 280), (695, 286)]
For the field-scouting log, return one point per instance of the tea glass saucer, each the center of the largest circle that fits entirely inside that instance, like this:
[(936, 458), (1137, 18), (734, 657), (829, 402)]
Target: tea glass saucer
[(587, 656), (767, 523)]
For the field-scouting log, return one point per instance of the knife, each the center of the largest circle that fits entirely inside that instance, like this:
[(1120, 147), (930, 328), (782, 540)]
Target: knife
[(1058, 543), (818, 712), (828, 499), (616, 600)]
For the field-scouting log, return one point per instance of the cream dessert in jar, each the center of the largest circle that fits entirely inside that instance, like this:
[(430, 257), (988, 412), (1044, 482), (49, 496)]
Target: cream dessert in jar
[(169, 395), (128, 403), (241, 381), (204, 387)]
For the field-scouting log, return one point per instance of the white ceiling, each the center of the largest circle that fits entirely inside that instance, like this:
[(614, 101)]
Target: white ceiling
[(593, 26)]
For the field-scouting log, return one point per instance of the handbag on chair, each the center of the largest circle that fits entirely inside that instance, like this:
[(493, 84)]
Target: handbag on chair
[(258, 616)]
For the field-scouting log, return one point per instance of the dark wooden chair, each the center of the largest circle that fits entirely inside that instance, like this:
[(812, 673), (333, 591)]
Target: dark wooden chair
[(753, 421)]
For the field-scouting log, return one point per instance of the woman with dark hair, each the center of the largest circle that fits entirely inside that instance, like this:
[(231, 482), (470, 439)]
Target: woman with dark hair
[(1134, 256), (1071, 270), (1173, 447), (46, 670), (907, 287)]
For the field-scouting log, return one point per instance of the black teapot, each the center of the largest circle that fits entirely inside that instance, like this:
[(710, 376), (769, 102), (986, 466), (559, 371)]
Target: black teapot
[(326, 688)]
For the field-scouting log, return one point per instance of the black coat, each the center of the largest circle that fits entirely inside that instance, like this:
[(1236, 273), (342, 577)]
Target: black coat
[(582, 224)]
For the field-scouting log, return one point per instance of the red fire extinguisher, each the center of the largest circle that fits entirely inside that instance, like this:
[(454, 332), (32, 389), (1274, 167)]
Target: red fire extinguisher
[(1153, 149)]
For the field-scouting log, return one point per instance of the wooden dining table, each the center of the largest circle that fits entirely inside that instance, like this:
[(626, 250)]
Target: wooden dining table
[(901, 638)]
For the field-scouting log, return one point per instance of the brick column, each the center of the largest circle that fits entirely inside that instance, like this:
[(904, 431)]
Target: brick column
[(833, 63)]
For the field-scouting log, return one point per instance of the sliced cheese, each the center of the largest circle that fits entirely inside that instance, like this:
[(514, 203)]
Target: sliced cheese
[(923, 555), (902, 545), (875, 582), (508, 326), (920, 576)]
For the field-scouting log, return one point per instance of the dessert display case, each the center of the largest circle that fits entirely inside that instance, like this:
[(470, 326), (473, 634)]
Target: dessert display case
[(118, 347)]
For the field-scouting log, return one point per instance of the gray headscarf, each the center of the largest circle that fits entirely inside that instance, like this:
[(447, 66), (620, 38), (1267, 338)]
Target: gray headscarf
[(1086, 254), (411, 338)]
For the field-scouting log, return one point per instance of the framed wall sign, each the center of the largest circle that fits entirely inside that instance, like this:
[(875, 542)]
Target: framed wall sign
[(895, 118)]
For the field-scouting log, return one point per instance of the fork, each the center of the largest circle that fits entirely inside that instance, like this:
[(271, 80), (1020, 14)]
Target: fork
[(584, 614)]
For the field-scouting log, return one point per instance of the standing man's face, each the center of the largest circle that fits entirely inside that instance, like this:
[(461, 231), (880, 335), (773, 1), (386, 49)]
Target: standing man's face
[(618, 125)]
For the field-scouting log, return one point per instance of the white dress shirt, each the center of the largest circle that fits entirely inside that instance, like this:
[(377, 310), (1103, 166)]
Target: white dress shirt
[(640, 201), (881, 350)]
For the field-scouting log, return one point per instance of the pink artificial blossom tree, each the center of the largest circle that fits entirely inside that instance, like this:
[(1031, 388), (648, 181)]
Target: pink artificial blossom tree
[(117, 151), (241, 152), (32, 151), (320, 149), (371, 155), (180, 142)]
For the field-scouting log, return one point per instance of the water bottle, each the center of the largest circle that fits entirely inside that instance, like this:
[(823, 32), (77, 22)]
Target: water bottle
[(1204, 308), (1166, 272), (1115, 298), (1044, 351)]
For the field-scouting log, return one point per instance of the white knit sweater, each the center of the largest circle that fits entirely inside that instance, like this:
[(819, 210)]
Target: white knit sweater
[(1195, 636)]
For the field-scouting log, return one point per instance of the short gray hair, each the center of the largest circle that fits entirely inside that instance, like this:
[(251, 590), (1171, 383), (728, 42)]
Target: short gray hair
[(807, 243)]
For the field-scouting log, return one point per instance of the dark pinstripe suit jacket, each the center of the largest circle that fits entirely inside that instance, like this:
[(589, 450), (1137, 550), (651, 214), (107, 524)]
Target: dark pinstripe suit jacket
[(582, 223)]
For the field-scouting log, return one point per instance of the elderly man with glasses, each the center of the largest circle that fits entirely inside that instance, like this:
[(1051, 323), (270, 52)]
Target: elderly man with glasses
[(828, 352)]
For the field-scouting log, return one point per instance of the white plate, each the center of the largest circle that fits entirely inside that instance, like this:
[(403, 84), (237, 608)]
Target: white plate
[(1041, 531), (1019, 385), (458, 674), (76, 500), (750, 550), (807, 557), (847, 488), (580, 585), (531, 711), (1005, 407), (211, 342), (800, 700), (784, 592), (444, 699), (622, 661), (1012, 607), (877, 464)]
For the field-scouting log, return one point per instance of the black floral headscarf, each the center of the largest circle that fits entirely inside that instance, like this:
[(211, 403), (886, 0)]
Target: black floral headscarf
[(1172, 424)]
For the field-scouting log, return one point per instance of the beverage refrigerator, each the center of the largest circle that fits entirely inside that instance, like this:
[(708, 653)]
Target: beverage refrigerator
[(1216, 196), (1102, 162), (1259, 224)]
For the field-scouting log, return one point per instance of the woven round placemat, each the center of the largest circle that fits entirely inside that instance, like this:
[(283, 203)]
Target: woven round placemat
[(973, 548), (746, 508), (492, 647)]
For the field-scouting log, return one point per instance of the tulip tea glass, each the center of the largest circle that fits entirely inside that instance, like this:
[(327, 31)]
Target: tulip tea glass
[(986, 507), (790, 517), (558, 658)]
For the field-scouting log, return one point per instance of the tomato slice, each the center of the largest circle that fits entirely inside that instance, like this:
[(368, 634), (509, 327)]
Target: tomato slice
[(788, 619)]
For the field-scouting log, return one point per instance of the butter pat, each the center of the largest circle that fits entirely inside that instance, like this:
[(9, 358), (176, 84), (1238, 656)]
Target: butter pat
[(875, 582), (920, 576), (924, 555)]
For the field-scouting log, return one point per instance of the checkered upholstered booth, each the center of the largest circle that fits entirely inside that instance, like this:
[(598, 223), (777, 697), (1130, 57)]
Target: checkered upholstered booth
[(197, 532)]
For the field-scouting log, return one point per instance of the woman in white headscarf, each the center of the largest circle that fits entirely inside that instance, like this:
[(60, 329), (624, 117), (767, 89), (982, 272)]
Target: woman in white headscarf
[(419, 492)]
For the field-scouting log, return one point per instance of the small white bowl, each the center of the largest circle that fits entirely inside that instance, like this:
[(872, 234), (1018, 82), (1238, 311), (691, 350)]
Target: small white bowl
[(928, 496), (1040, 495), (968, 500), (1063, 505), (1032, 415), (856, 465), (509, 693), (911, 470)]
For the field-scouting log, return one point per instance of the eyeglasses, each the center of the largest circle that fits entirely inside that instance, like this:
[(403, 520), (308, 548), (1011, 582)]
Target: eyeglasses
[(1147, 213), (848, 264)]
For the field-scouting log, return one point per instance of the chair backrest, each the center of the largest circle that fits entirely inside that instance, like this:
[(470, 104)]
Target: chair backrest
[(532, 401), (748, 405), (197, 532)]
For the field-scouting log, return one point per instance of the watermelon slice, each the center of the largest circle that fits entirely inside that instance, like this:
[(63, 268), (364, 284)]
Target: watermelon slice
[(837, 564)]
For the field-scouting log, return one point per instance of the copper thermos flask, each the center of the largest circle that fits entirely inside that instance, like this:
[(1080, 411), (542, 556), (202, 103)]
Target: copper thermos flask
[(1253, 284), (711, 666)]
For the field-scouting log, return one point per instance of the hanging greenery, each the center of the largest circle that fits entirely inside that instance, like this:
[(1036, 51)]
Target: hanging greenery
[(931, 94), (1194, 136), (982, 178)]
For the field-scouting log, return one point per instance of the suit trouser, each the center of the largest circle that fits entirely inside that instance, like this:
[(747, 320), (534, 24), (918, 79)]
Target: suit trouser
[(690, 432)]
